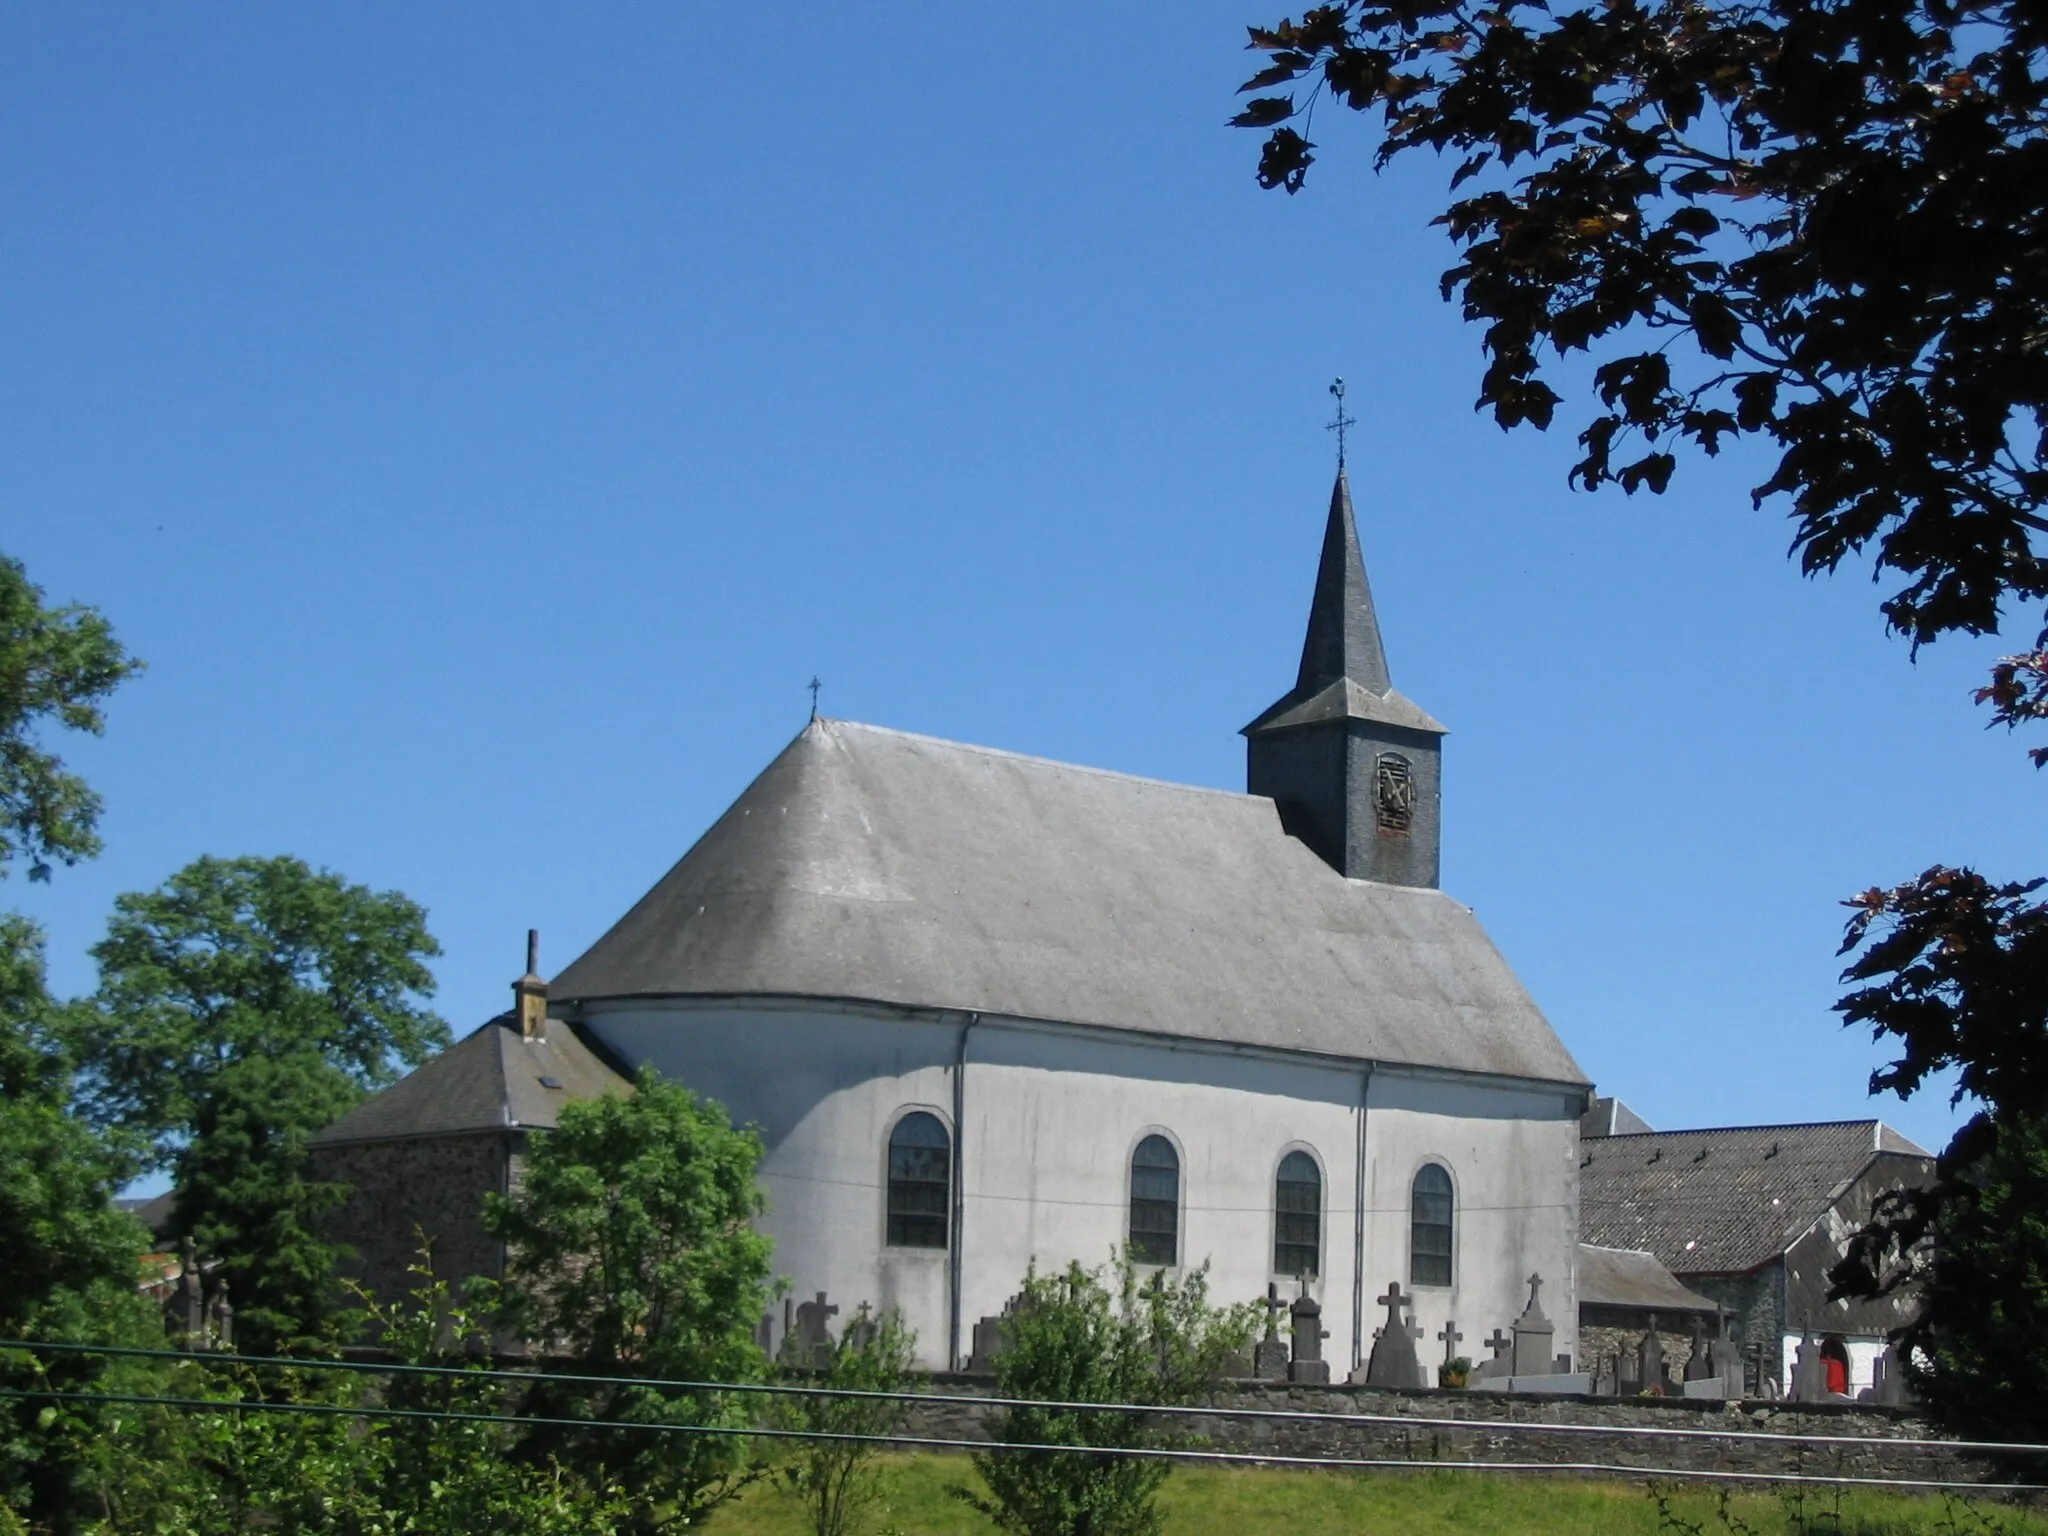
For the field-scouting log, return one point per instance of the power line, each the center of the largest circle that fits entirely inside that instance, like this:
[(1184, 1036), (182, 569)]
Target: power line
[(1273, 1415), (932, 1442)]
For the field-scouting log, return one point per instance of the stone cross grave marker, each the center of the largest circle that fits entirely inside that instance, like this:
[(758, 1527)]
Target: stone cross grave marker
[(1306, 1324), (1269, 1355), (1451, 1340), (1393, 1362), (1502, 1364)]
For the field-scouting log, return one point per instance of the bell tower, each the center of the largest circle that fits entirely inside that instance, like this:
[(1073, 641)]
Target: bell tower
[(1355, 766)]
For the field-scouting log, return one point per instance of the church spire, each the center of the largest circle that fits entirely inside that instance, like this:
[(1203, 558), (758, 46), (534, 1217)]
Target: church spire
[(1352, 764), (1343, 627)]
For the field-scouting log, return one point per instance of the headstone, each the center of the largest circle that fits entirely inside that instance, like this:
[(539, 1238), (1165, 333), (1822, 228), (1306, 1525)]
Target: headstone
[(1270, 1354), (1451, 1340), (807, 1345), (1306, 1318), (1889, 1385), (1698, 1367), (1628, 1374), (991, 1338), (1650, 1371), (191, 1304), (1725, 1356), (863, 1329), (1809, 1371), (220, 1313), (1533, 1335), (1502, 1365), (1393, 1362)]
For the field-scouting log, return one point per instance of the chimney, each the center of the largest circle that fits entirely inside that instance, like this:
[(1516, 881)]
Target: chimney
[(532, 992)]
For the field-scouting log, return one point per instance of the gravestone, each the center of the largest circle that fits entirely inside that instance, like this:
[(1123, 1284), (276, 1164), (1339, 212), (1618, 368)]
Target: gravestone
[(1725, 1355), (1888, 1379), (1698, 1365), (220, 1333), (1269, 1355), (1650, 1370), (991, 1338), (1809, 1371), (190, 1303), (1628, 1374), (1502, 1365), (1306, 1319), (1393, 1362), (863, 1330), (807, 1340), (1451, 1340), (1533, 1336)]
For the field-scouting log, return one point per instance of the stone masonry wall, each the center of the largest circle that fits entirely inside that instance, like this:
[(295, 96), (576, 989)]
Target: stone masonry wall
[(434, 1184), (1870, 1428)]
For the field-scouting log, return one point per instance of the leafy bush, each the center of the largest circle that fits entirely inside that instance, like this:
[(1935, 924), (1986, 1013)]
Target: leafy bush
[(1098, 1336)]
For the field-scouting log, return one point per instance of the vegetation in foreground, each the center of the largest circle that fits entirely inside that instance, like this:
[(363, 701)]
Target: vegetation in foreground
[(1230, 1501)]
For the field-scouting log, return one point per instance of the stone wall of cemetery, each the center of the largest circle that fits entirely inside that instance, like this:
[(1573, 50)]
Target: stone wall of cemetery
[(1415, 1441)]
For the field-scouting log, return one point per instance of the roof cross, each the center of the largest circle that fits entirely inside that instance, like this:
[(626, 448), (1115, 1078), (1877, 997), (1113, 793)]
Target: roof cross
[(1340, 421), (814, 685)]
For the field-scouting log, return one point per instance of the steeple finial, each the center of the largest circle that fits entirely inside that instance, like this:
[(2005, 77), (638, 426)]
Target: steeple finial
[(814, 685), (1339, 422)]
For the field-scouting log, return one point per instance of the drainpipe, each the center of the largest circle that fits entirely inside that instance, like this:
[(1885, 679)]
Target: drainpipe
[(1358, 1229), (955, 1259)]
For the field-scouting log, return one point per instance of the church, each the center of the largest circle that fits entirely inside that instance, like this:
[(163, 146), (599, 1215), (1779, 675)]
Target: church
[(989, 1010)]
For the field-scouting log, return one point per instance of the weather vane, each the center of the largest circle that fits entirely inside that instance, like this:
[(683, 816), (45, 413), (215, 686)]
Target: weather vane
[(1341, 421), (814, 685)]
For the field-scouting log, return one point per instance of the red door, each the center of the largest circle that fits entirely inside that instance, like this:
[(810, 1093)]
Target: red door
[(1834, 1354)]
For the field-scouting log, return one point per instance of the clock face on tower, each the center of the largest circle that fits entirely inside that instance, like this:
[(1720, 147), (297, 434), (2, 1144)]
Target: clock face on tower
[(1393, 794)]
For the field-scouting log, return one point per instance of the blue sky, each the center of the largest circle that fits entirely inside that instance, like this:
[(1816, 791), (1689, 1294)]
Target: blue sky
[(486, 421)]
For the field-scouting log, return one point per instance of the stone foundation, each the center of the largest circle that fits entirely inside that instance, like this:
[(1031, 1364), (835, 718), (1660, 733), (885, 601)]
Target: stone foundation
[(1638, 1455)]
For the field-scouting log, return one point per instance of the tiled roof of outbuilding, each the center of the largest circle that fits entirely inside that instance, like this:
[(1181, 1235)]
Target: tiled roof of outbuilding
[(491, 1079), (1631, 1278), (874, 865), (1722, 1201)]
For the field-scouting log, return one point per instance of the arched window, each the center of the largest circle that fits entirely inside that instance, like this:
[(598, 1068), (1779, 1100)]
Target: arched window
[(920, 1181), (1298, 1216), (1155, 1202), (1429, 1227)]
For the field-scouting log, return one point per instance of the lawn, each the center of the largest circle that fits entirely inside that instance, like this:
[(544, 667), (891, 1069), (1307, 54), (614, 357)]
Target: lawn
[(1247, 1501)]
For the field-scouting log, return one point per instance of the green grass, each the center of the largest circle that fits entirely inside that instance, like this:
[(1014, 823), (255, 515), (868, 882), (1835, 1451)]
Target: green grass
[(1249, 1501)]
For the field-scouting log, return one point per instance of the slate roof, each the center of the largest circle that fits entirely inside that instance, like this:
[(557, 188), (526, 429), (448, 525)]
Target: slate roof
[(1631, 1278), (490, 1080), (1722, 1201), (871, 864), (1343, 672)]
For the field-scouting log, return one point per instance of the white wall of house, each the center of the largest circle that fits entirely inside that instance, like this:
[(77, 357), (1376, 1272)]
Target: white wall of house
[(1052, 1115)]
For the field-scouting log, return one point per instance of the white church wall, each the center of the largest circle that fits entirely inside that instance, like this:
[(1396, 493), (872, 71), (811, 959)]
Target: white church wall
[(1052, 1117), (825, 1087), (1512, 1153)]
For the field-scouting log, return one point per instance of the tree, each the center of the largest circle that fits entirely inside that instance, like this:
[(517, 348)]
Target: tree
[(241, 1007), (1957, 973), (69, 1261), (1072, 1339), (838, 1481), (230, 1467), (1824, 224), (631, 1252), (56, 664)]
